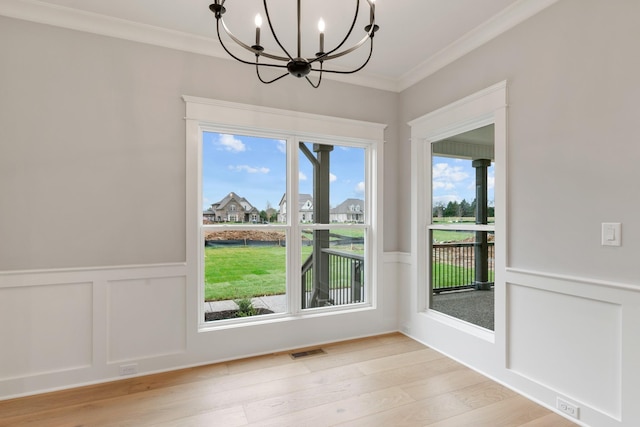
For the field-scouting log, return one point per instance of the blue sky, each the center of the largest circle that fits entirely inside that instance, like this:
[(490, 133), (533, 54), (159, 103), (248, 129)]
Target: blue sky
[(255, 168), (454, 180)]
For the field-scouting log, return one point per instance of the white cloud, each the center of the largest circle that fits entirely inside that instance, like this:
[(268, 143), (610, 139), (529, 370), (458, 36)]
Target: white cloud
[(249, 169), (302, 176), (447, 178), (360, 188), (440, 185), (446, 172), (491, 182), (282, 146), (230, 143), (332, 177)]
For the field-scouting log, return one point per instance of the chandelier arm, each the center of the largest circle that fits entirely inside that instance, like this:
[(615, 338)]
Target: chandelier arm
[(273, 32), (315, 86), (344, 52), (249, 62), (270, 81), (327, 55), (352, 71), (227, 50), (242, 44)]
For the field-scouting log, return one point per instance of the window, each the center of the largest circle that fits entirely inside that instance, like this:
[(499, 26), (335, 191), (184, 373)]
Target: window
[(462, 226), (458, 214), (308, 256)]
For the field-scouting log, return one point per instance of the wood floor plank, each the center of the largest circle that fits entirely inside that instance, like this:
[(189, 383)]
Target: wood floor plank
[(356, 355), (550, 420), (228, 417), (510, 412), (445, 382), (414, 414), (338, 412), (298, 400), (389, 380), (403, 359)]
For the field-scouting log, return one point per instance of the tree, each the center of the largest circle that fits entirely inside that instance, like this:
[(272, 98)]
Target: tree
[(438, 210), (452, 209), (271, 213)]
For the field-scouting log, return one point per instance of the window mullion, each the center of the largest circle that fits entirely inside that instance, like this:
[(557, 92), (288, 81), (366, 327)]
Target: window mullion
[(294, 260)]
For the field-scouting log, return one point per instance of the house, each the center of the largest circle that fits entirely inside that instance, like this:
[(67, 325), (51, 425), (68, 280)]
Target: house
[(92, 127), (232, 208), (305, 208), (351, 210)]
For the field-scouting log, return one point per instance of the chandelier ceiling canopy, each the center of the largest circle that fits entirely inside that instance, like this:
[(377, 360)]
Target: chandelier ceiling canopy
[(270, 49)]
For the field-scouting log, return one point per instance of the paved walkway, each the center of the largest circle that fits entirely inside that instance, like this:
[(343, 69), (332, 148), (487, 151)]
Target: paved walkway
[(275, 303)]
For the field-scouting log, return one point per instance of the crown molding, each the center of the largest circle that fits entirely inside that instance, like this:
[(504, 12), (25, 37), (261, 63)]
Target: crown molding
[(74, 19), (500, 23)]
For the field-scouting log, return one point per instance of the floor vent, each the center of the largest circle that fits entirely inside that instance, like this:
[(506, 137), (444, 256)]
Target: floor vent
[(307, 353)]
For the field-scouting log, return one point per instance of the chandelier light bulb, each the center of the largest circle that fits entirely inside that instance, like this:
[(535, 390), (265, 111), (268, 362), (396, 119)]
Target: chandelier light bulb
[(321, 29), (258, 22)]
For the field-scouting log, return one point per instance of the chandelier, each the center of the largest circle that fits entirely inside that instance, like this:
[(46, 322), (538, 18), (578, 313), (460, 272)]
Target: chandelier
[(296, 64)]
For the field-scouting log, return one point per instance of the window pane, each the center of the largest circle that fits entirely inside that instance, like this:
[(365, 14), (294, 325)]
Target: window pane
[(463, 177), (332, 184), (333, 267), (243, 178), (462, 275), (462, 267), (243, 267)]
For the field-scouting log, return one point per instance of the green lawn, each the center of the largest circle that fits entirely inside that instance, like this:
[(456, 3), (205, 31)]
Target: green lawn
[(447, 275), (451, 236), (243, 272)]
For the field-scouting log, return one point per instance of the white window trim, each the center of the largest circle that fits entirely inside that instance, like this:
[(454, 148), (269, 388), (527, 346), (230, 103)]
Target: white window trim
[(485, 107), (208, 114)]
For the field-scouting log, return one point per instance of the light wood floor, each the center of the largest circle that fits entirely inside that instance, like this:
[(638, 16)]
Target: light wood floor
[(387, 381)]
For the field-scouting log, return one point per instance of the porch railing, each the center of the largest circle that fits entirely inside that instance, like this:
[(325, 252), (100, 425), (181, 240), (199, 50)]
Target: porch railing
[(346, 280), (453, 266)]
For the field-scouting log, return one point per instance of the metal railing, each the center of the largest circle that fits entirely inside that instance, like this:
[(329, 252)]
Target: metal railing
[(453, 266), (346, 280)]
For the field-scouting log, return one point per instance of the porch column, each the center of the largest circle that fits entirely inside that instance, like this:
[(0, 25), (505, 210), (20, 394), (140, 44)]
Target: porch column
[(321, 216), (481, 248)]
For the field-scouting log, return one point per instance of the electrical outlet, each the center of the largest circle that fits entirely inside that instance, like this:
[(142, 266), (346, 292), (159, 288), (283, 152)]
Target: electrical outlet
[(568, 408), (130, 369)]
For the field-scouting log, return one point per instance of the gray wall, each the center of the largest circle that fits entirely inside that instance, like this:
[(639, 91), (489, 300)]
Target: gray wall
[(92, 154), (573, 91)]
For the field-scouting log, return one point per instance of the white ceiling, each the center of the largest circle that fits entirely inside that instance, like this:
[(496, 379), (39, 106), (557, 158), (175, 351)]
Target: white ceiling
[(416, 37)]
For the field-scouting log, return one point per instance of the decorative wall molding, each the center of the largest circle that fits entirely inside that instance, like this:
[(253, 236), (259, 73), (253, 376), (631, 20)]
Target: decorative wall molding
[(504, 21), (74, 19)]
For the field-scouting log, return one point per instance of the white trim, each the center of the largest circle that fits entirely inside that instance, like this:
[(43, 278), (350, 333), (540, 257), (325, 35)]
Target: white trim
[(484, 33), (479, 109), (261, 119), (546, 280), (74, 19), (19, 278), (219, 116)]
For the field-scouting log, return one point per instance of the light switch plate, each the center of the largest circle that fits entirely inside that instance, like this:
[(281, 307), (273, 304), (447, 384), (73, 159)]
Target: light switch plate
[(611, 234)]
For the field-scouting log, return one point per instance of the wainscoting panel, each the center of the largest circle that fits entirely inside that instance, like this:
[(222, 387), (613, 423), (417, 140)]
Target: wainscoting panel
[(569, 343), (146, 317), (45, 329)]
